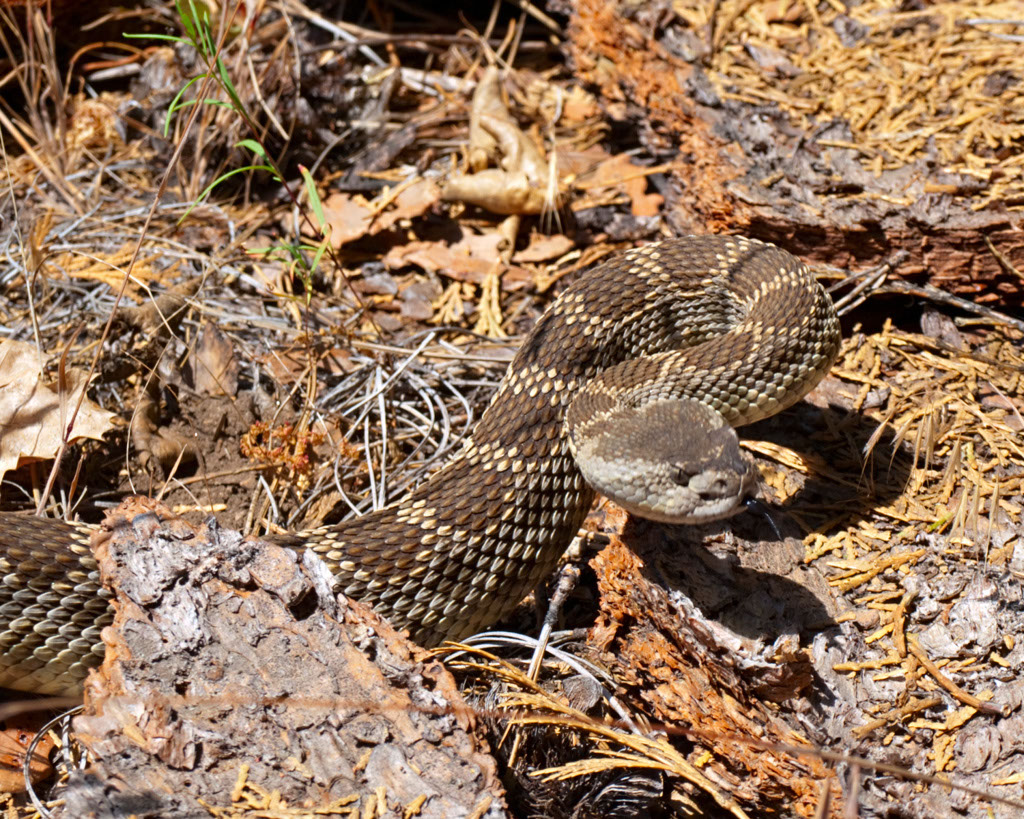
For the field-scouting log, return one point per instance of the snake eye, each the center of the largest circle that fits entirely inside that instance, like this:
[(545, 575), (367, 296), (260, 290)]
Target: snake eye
[(681, 475)]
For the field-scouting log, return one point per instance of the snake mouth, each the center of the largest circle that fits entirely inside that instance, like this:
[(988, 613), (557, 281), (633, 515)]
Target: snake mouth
[(723, 492)]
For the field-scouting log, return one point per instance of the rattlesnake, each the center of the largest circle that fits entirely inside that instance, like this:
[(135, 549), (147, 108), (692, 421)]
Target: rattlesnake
[(629, 384)]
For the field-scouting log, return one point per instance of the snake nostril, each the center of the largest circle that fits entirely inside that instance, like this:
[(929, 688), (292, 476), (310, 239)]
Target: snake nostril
[(715, 489), (713, 492)]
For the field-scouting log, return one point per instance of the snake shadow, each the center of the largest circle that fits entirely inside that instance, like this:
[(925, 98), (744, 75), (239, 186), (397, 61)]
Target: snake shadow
[(738, 571)]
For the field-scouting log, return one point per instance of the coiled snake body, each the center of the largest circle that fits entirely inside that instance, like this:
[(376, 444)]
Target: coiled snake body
[(630, 383)]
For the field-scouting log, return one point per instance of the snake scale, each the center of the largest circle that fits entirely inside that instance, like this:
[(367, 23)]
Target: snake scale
[(629, 384)]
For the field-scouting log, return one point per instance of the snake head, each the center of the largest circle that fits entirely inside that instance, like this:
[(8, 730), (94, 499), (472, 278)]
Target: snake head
[(718, 488), (672, 461)]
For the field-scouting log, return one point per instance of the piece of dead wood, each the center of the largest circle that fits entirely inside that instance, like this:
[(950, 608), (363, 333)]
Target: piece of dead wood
[(162, 315), (158, 446), (520, 185), (233, 668), (698, 675), (807, 180)]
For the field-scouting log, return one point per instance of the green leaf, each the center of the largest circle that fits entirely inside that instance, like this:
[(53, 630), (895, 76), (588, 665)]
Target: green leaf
[(223, 177), (174, 106), (188, 20), (167, 37), (314, 199), (319, 254), (229, 87), (252, 145)]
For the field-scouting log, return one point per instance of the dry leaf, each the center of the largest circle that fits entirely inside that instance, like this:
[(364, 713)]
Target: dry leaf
[(620, 172), (352, 217), (580, 163), (33, 415), (348, 218), (544, 248), (15, 738), (288, 366), (468, 260), (412, 201), (214, 366)]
